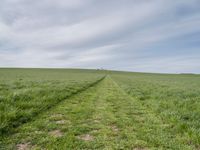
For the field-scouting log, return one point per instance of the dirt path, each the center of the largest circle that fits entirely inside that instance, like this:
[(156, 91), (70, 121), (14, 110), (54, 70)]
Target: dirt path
[(102, 117)]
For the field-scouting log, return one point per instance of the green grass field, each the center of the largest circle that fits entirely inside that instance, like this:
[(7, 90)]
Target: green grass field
[(92, 109)]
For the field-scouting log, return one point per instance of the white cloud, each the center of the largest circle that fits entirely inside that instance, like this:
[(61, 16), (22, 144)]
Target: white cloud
[(91, 33)]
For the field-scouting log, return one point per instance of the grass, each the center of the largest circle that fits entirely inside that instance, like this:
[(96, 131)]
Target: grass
[(175, 99), (24, 93), (121, 111)]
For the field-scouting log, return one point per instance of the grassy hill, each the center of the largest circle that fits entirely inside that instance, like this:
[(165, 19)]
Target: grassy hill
[(95, 109)]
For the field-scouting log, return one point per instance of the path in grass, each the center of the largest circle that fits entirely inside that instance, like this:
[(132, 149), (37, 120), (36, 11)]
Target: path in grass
[(102, 117)]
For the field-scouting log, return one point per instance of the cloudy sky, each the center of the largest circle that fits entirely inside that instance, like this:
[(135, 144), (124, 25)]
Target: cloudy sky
[(134, 35)]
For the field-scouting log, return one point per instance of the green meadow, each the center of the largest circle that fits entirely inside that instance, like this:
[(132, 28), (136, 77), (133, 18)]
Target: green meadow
[(66, 109)]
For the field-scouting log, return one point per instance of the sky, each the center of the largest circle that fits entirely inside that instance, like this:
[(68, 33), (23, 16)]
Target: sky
[(161, 36)]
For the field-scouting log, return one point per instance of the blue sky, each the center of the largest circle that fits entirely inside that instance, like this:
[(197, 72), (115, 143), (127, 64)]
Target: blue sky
[(133, 35)]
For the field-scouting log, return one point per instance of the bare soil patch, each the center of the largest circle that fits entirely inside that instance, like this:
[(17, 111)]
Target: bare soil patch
[(24, 146), (60, 122), (114, 128), (56, 133), (96, 121), (86, 137)]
